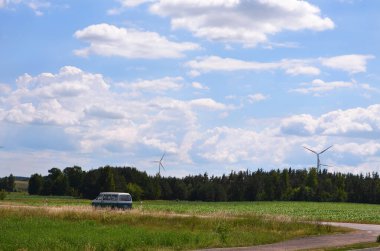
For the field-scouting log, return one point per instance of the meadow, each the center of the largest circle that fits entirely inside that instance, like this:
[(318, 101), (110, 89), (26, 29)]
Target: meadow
[(65, 223)]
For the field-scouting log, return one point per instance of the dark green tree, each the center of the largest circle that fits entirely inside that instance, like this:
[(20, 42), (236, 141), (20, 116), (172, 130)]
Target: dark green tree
[(36, 183)]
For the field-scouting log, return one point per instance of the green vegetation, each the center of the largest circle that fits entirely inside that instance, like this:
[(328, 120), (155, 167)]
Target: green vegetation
[(321, 211), (80, 228), (3, 194), (36, 200)]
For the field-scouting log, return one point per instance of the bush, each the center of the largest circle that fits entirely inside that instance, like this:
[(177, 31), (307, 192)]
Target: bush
[(378, 239), (3, 194)]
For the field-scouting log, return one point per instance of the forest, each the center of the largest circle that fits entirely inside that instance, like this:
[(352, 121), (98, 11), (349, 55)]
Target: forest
[(279, 185)]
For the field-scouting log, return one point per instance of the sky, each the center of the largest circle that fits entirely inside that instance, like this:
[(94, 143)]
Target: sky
[(217, 85)]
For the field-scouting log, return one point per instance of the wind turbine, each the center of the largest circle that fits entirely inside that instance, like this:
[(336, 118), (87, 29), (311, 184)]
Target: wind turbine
[(160, 164), (316, 153)]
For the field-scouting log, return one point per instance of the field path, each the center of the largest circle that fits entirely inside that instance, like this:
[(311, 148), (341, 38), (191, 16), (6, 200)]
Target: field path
[(364, 233)]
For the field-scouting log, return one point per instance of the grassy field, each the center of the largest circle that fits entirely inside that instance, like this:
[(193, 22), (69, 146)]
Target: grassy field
[(343, 212), (83, 228), (66, 223)]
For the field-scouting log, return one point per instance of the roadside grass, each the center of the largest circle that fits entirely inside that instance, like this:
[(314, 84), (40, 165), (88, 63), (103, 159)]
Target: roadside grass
[(83, 228)]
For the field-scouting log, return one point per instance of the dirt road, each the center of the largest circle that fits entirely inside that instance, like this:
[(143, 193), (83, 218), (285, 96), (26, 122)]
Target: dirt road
[(364, 233)]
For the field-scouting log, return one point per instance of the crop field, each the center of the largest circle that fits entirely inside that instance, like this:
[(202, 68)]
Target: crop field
[(314, 211), (65, 223)]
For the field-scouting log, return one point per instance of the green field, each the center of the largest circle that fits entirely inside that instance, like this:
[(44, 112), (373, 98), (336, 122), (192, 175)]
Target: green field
[(319, 211), (322, 211), (65, 223)]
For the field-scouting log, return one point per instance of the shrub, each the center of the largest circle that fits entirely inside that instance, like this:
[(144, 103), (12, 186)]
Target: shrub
[(3, 194), (378, 239)]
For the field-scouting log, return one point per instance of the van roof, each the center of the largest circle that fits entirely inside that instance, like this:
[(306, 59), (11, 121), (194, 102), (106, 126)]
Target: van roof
[(113, 193)]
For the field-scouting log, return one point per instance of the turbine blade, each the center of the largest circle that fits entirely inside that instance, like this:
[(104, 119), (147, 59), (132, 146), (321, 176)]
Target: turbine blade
[(326, 149), (310, 150), (163, 155), (162, 166)]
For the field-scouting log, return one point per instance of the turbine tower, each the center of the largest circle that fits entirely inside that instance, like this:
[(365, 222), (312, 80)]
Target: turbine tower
[(160, 164), (316, 153)]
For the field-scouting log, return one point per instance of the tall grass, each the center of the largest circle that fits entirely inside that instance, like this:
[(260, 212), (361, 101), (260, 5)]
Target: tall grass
[(81, 228)]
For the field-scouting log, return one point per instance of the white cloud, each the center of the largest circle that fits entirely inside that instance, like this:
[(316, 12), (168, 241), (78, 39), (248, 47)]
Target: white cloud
[(241, 21), (357, 122), (207, 103), (353, 63), (369, 148), (349, 63), (257, 97), (156, 85), (4, 89), (126, 4), (233, 145), (101, 119), (199, 86), (97, 119), (109, 40), (302, 125), (215, 63), (102, 112), (318, 86), (36, 5)]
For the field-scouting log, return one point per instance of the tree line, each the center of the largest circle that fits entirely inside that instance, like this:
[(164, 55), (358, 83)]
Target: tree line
[(280, 185), (7, 183)]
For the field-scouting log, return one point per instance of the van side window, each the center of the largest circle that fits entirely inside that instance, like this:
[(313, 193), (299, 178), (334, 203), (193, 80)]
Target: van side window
[(114, 197), (125, 198), (107, 197)]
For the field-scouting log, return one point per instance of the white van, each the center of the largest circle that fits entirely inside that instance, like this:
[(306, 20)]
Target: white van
[(113, 200)]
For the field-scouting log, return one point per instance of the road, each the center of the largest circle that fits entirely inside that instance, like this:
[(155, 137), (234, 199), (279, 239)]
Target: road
[(363, 233)]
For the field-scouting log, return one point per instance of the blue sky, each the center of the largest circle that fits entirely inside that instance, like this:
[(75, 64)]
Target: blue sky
[(218, 85)]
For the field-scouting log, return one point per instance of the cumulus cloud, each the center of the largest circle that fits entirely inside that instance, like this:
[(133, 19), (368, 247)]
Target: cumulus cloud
[(109, 40), (248, 22), (100, 118), (96, 118), (231, 145), (357, 122), (215, 63), (353, 63)]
